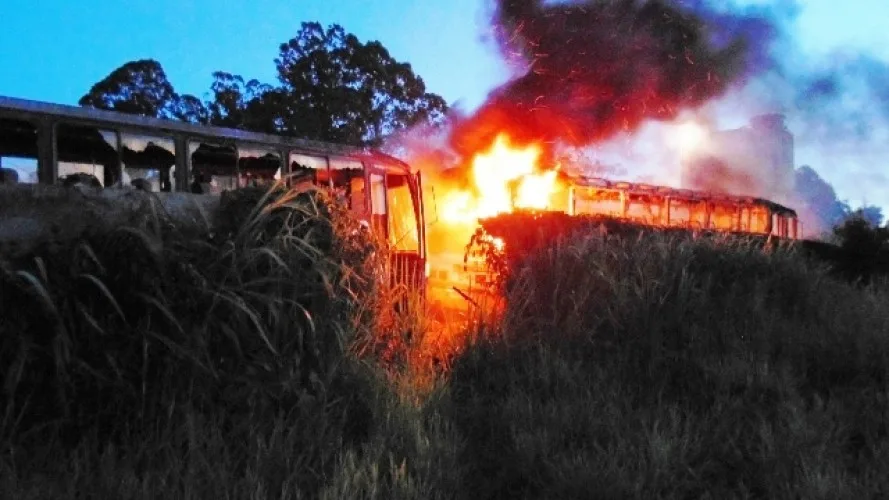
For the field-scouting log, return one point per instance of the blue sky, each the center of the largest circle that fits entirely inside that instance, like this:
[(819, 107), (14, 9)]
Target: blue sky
[(54, 50)]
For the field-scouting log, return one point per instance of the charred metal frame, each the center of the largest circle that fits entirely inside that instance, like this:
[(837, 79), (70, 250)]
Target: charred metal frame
[(47, 117), (780, 221)]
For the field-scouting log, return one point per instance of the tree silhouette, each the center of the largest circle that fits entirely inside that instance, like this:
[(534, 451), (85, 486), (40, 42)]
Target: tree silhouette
[(872, 214), (331, 87), (339, 89), (246, 105), (142, 88), (189, 108), (865, 247)]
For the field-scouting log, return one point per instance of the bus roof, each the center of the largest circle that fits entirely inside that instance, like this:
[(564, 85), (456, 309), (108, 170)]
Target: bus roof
[(25, 109)]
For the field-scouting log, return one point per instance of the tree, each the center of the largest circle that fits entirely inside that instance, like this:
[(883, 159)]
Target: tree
[(247, 105), (188, 108), (338, 89), (332, 87), (860, 235), (142, 88), (872, 214)]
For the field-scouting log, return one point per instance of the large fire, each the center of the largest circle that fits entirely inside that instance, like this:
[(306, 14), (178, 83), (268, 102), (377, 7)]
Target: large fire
[(504, 178)]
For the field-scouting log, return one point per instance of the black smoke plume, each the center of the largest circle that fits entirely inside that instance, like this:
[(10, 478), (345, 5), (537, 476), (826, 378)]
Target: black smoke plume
[(597, 67)]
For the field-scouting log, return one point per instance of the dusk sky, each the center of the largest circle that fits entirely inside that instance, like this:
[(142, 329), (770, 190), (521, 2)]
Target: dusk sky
[(55, 50)]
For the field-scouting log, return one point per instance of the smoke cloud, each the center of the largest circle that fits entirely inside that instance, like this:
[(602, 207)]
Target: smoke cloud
[(838, 112), (837, 108), (845, 96), (607, 79), (598, 68)]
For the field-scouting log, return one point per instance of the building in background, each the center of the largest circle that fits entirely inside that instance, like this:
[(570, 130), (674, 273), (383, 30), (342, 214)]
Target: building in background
[(756, 160)]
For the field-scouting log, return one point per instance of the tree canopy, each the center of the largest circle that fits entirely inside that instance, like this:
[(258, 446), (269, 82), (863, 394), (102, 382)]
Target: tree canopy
[(355, 91), (138, 87), (860, 234), (331, 87)]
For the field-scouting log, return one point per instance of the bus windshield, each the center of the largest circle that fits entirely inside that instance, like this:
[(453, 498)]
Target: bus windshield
[(403, 226)]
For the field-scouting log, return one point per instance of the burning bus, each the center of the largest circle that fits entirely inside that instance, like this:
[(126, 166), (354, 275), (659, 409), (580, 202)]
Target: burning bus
[(55, 144), (508, 177), (681, 208)]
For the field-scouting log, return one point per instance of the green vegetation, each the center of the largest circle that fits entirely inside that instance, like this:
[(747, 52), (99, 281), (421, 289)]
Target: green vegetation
[(332, 87), (160, 343), (158, 360), (670, 367)]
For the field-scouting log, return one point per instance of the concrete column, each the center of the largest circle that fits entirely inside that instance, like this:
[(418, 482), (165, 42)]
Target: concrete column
[(47, 153), (183, 164)]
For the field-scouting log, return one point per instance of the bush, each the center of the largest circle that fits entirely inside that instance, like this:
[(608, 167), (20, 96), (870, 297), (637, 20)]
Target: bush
[(236, 332), (667, 367)]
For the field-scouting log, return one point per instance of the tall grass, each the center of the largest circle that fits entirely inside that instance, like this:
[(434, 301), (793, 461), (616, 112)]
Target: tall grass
[(162, 341), (666, 367), (254, 358)]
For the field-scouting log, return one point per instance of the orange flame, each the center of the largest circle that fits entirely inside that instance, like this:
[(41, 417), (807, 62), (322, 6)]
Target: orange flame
[(504, 178)]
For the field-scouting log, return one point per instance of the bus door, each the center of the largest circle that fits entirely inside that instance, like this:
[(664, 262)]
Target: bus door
[(395, 208), (406, 228)]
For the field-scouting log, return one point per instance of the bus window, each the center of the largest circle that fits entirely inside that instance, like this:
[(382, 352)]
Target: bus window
[(307, 171), (347, 179), (589, 201), (18, 152), (87, 154), (149, 162), (680, 213), (759, 219), (214, 167), (258, 167), (403, 229), (783, 226), (724, 216), (378, 220), (644, 208)]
